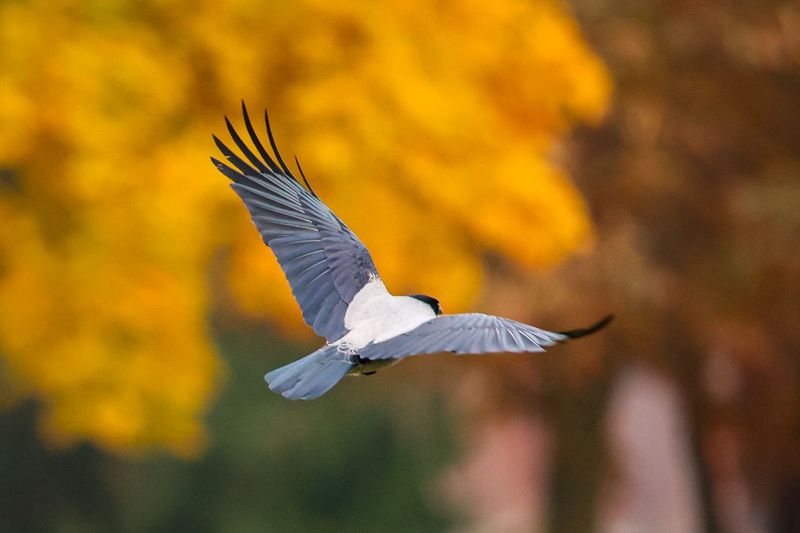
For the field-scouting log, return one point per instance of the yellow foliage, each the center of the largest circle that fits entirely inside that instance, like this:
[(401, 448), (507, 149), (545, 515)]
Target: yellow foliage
[(425, 125)]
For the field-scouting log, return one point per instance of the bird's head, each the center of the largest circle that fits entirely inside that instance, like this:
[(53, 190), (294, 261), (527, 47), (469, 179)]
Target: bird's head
[(429, 300)]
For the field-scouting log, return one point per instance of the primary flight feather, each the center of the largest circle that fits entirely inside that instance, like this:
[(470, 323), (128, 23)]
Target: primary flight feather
[(340, 293)]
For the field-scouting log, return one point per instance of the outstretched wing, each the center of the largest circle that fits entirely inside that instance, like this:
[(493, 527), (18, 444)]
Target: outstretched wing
[(325, 263), (472, 333)]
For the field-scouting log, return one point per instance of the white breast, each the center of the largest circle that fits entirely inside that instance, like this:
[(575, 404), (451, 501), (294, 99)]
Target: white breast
[(374, 315)]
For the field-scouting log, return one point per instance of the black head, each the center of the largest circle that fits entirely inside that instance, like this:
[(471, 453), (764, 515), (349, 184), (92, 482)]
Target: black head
[(431, 301)]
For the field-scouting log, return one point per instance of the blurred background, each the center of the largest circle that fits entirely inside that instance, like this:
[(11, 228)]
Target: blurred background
[(550, 162)]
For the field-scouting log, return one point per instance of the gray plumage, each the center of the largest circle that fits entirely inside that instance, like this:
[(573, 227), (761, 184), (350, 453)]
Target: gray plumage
[(471, 333), (312, 376), (323, 260), (333, 277)]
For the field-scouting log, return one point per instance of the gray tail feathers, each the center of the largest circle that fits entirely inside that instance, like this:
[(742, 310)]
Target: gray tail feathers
[(310, 377)]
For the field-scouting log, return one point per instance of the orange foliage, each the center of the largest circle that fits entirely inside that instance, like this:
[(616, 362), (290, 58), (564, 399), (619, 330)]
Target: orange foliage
[(425, 125)]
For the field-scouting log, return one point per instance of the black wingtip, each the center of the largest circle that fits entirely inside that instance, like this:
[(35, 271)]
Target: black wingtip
[(220, 145), (256, 142), (275, 147), (305, 180), (578, 333)]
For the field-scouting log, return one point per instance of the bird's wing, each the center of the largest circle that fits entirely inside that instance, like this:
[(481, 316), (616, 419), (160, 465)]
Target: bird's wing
[(325, 263), (472, 333)]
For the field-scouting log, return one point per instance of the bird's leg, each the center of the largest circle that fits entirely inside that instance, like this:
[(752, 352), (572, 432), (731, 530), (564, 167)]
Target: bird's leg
[(368, 367)]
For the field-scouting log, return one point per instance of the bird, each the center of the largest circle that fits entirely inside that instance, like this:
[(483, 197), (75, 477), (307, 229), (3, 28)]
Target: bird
[(336, 283)]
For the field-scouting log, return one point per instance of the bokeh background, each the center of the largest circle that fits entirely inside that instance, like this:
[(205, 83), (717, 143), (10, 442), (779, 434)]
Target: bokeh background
[(547, 161)]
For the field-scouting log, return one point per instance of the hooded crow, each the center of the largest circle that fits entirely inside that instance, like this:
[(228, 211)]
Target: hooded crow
[(341, 295)]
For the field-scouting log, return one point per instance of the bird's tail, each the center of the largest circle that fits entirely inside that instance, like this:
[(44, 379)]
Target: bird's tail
[(310, 377)]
